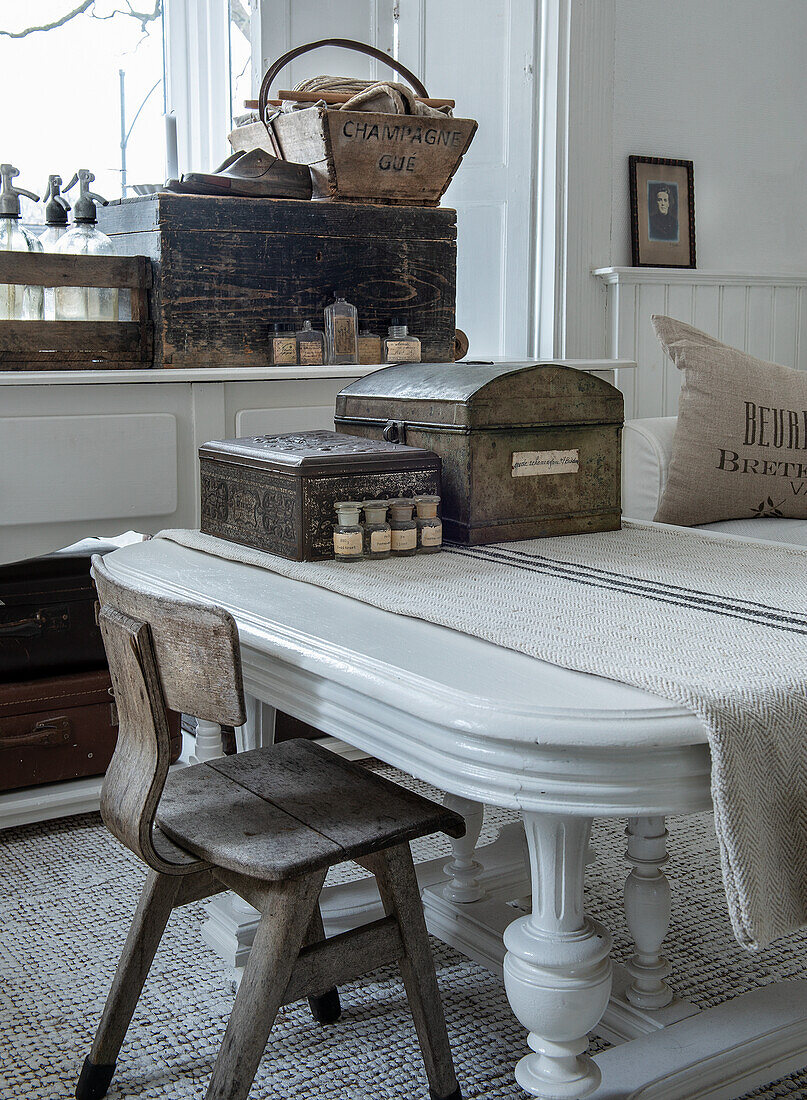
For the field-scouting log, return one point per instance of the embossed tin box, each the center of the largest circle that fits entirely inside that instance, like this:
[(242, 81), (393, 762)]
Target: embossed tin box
[(277, 492), (528, 449)]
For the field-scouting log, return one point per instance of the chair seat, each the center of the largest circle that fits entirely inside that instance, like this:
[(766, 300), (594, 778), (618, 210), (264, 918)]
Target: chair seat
[(284, 810)]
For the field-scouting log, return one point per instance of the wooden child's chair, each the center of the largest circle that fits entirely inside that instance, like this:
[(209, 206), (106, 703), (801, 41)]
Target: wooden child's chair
[(267, 824)]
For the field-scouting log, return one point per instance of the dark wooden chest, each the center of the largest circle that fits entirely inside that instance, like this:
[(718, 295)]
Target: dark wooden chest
[(227, 269), (61, 727), (527, 449), (277, 493), (47, 616)]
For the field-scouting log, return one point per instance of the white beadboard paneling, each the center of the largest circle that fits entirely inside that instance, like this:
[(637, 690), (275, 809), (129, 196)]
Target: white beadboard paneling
[(759, 321), (765, 315), (734, 313), (706, 307), (785, 331), (680, 303), (114, 466), (651, 299)]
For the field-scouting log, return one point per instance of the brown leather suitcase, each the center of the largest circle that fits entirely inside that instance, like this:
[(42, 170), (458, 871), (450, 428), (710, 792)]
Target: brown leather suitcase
[(47, 616), (58, 728)]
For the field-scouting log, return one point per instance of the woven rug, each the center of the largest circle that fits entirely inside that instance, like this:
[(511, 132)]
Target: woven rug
[(711, 622), (67, 893)]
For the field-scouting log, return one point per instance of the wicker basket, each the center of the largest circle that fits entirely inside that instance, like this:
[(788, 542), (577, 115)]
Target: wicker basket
[(359, 156)]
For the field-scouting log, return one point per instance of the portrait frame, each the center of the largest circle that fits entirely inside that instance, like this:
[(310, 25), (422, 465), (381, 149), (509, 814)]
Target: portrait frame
[(662, 212)]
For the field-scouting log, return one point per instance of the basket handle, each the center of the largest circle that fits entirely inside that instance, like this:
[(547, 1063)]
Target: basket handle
[(348, 44)]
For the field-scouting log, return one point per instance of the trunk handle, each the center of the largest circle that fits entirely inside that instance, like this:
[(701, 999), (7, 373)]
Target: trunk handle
[(345, 43), (22, 628), (53, 731), (394, 431)]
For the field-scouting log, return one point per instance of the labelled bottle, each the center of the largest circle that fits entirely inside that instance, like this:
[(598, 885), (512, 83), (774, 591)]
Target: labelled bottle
[(430, 527), (399, 346), (85, 303), (310, 346), (17, 301), (377, 534), (403, 529), (283, 345), (369, 347), (347, 532), (341, 332), (56, 208)]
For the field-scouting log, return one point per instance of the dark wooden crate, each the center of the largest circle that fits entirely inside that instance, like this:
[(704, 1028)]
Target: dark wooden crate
[(226, 269), (78, 345)]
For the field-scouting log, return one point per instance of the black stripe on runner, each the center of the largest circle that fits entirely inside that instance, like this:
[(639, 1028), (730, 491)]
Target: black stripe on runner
[(750, 606), (627, 589)]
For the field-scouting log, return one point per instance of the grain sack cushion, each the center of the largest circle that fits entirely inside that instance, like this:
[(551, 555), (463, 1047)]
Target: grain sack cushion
[(740, 447)]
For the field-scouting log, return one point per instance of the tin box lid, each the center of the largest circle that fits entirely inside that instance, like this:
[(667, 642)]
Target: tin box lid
[(490, 395), (317, 452)]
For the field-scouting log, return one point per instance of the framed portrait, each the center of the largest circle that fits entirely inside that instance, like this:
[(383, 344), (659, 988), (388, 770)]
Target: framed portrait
[(662, 212)]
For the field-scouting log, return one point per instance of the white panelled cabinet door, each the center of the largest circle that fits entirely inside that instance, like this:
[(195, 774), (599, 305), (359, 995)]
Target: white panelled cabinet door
[(481, 53)]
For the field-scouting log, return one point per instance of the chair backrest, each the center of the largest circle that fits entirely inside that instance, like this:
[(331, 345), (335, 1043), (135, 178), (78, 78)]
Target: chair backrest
[(162, 653), (196, 646)]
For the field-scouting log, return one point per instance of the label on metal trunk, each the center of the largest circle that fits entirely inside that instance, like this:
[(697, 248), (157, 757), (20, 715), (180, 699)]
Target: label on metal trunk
[(539, 463)]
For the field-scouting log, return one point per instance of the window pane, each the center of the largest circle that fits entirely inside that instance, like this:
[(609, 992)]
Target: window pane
[(68, 97), (240, 56)]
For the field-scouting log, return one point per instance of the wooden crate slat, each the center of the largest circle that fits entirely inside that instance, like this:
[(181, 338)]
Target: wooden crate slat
[(39, 344), (52, 269)]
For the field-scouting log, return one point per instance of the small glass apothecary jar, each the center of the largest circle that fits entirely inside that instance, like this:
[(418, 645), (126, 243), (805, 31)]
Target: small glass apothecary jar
[(403, 529), (310, 346), (283, 345), (430, 527), (377, 533), (347, 532), (341, 332)]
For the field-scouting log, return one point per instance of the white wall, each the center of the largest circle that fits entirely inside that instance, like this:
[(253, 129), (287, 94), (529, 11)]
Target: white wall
[(722, 83)]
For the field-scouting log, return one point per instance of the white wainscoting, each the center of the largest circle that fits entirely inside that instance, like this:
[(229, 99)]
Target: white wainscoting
[(765, 315)]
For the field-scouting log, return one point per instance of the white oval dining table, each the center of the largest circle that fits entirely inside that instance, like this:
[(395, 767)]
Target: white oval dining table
[(491, 726)]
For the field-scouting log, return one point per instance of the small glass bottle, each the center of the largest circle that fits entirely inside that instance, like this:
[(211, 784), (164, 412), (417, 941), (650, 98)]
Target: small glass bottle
[(399, 346), (403, 529), (377, 535), (283, 345), (17, 302), (347, 532), (430, 527), (310, 346), (369, 347), (341, 332), (85, 303)]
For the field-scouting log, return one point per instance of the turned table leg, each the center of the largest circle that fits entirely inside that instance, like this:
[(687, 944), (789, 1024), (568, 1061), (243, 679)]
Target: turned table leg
[(462, 869), (208, 742), (557, 970), (647, 910)]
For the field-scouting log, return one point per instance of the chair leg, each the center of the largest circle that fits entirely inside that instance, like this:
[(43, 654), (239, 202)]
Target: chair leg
[(148, 924), (400, 894), (286, 911), (326, 1008)]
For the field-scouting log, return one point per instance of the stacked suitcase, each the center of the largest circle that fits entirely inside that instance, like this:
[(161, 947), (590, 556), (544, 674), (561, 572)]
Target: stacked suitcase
[(58, 719)]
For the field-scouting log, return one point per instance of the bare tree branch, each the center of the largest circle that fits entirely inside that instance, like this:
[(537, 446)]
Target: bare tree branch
[(88, 6), (51, 26)]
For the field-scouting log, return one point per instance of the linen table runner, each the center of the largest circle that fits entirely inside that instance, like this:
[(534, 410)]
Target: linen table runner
[(713, 623)]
